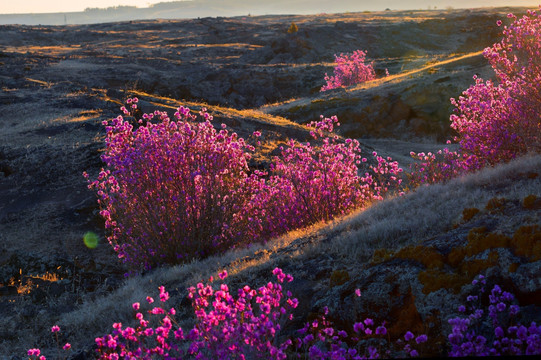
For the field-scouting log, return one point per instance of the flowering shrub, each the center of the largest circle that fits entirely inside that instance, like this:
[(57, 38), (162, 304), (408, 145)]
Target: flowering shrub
[(497, 122), (180, 189), (440, 166), (173, 190), (503, 336), (311, 184), (350, 69)]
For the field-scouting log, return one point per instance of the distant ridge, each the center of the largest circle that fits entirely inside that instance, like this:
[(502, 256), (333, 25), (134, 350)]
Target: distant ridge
[(188, 9)]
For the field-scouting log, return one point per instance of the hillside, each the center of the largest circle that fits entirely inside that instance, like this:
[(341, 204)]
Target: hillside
[(60, 82)]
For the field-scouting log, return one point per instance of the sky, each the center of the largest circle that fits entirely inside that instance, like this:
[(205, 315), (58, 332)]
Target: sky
[(53, 6)]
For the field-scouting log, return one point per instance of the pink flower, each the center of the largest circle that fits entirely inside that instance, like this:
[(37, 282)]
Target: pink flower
[(223, 274), (55, 328)]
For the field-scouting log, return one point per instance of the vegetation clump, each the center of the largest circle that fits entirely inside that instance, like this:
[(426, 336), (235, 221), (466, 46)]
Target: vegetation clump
[(350, 69), (293, 28)]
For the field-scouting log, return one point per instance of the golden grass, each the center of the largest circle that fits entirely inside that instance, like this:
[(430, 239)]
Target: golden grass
[(252, 114)]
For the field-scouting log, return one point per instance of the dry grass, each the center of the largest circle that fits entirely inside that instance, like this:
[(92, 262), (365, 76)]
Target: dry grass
[(428, 211)]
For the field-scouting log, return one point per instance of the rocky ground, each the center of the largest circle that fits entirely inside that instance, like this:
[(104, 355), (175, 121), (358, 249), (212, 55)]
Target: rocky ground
[(60, 82)]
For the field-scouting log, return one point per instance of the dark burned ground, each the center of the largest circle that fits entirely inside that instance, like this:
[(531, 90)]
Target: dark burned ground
[(59, 83)]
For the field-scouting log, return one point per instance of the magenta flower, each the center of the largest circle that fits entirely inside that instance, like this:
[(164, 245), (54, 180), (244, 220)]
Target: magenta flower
[(409, 335)]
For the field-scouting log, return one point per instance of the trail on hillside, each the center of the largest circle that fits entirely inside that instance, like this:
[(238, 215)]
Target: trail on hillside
[(288, 104)]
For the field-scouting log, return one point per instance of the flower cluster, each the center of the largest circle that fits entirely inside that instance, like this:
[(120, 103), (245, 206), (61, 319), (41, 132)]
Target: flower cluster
[(226, 327), (36, 353), (177, 190), (440, 166), (497, 122), (312, 183), (350, 69), (173, 190), (246, 327), (502, 337)]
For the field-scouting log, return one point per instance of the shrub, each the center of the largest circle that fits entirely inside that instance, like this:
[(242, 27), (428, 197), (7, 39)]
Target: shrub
[(173, 190), (439, 167), (177, 190), (293, 28), (313, 183), (497, 122), (350, 69)]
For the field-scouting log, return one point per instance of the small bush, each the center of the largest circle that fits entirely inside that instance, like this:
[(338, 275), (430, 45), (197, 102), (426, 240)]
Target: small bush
[(173, 190), (493, 332), (350, 69), (293, 28)]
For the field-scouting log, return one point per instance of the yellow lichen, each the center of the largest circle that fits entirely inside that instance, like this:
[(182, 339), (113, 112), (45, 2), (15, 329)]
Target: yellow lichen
[(495, 205), (513, 267), (529, 201), (480, 243), (469, 213), (527, 241), (381, 255), (428, 256), (435, 279)]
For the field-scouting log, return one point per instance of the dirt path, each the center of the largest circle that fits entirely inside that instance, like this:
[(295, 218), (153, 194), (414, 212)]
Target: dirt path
[(284, 106)]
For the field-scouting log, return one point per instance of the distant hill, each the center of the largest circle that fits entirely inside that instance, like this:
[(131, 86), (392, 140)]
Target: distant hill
[(214, 8)]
